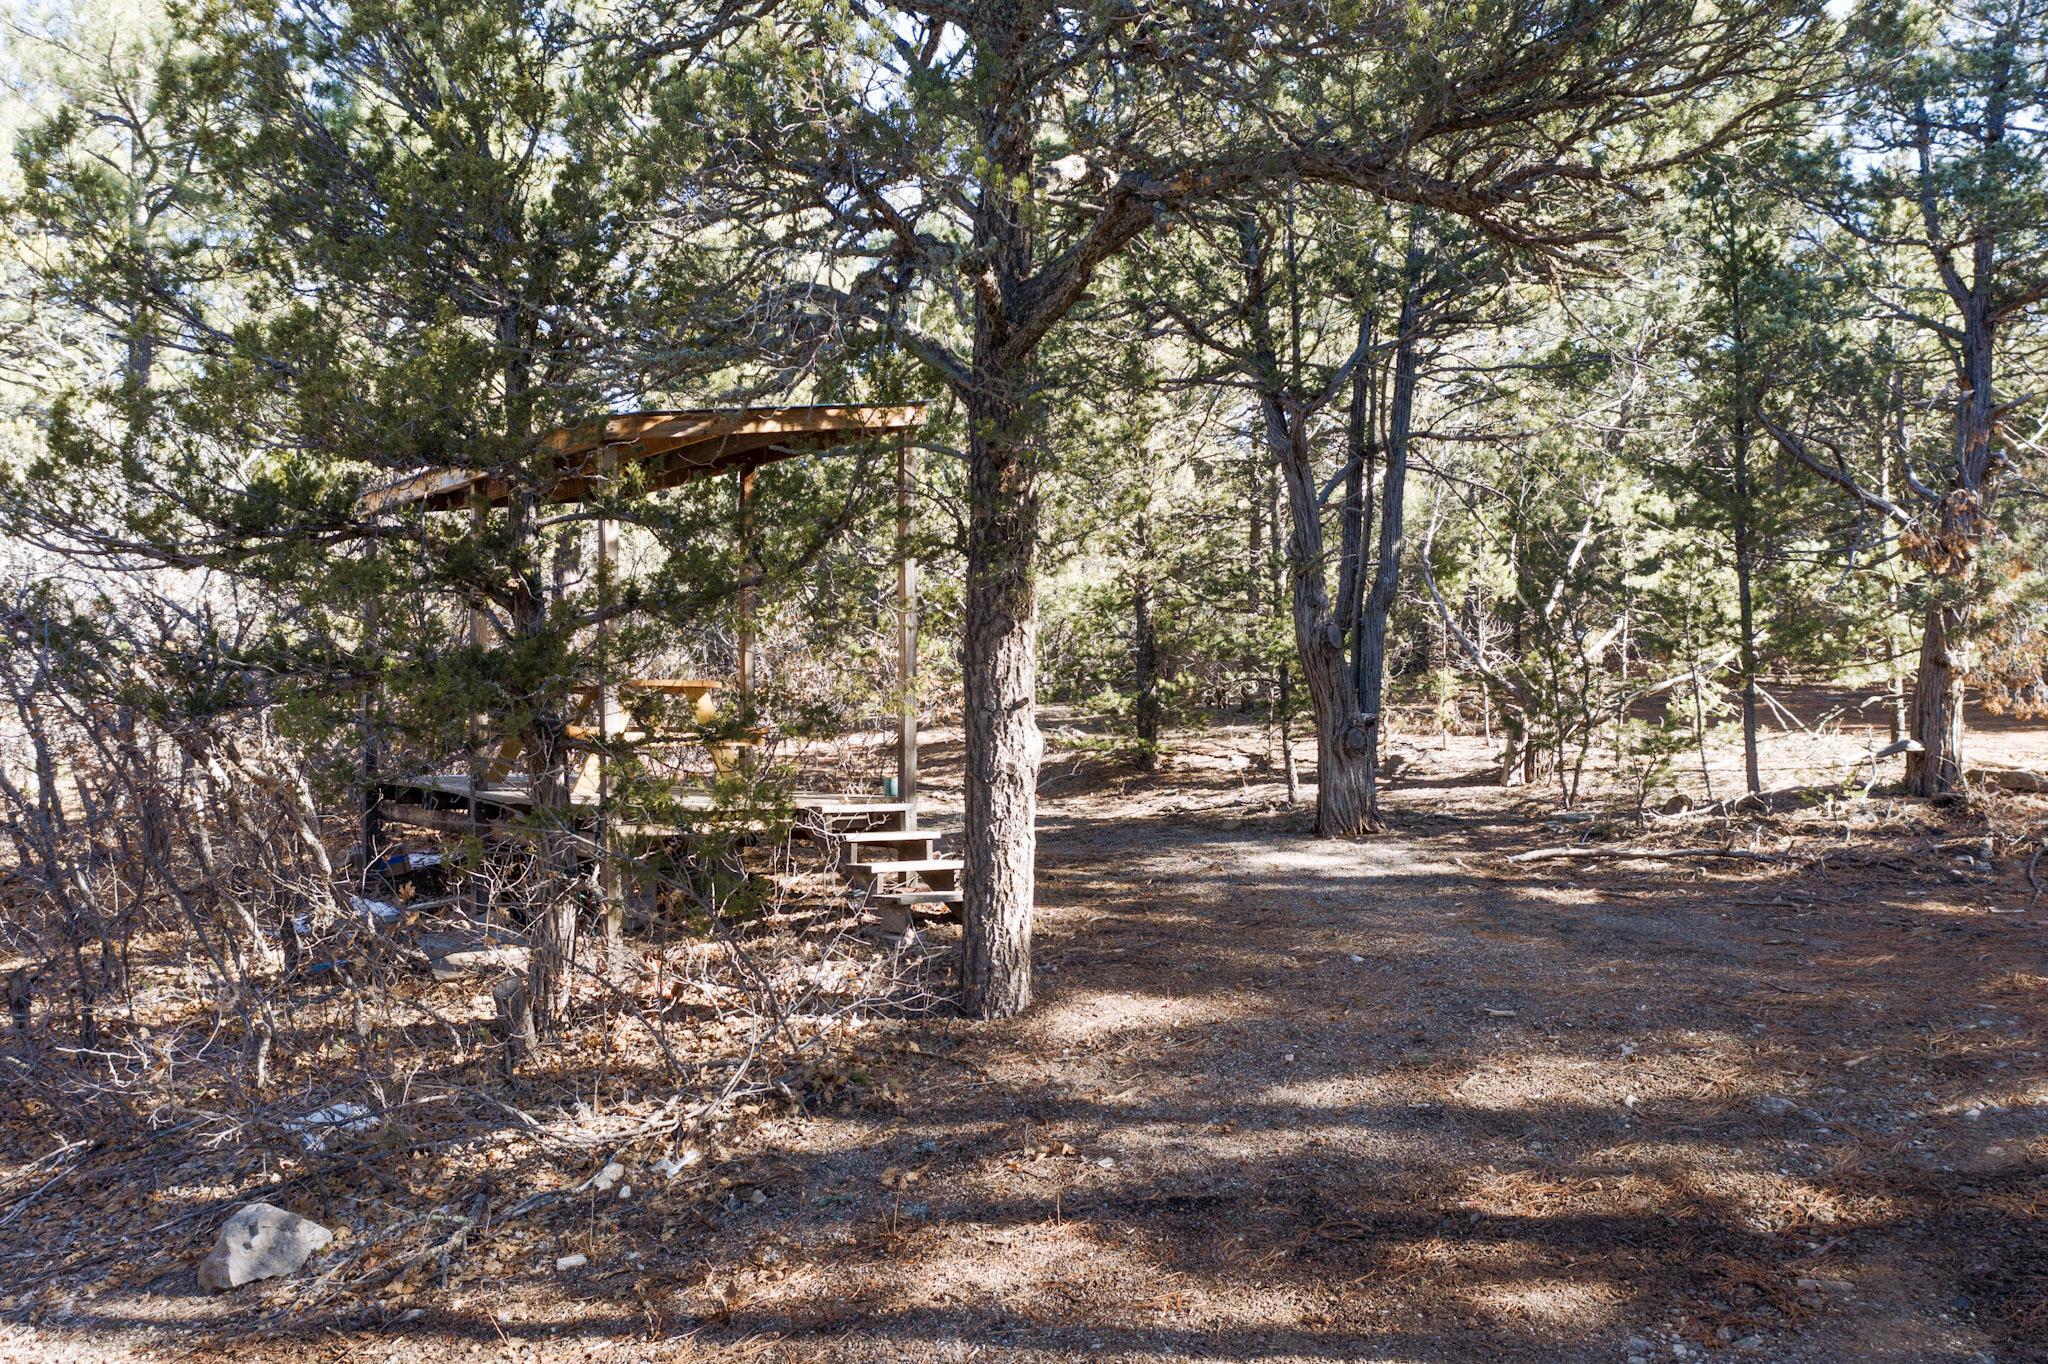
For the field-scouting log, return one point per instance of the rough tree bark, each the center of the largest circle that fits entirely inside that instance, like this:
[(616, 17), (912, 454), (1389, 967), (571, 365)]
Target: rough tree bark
[(1002, 739), (1000, 648)]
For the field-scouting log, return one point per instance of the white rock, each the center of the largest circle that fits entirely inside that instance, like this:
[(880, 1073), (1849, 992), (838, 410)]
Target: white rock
[(260, 1242), (569, 1262)]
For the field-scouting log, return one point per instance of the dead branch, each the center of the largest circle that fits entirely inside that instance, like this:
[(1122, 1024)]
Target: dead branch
[(1660, 854)]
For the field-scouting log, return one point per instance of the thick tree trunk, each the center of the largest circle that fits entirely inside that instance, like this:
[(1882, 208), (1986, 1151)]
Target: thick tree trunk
[(1003, 743), (1938, 705), (1344, 803)]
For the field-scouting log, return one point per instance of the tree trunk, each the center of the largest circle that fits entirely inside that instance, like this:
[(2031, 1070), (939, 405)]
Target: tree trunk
[(1745, 600), (1343, 734), (552, 931), (1938, 705), (1144, 660), (1965, 520), (1371, 670), (999, 666), (1003, 743)]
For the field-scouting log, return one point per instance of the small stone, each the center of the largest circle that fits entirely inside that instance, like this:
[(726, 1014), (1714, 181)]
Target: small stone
[(566, 1263), (1749, 1343), (260, 1241), (477, 960), (604, 1179), (1106, 1162), (1775, 1105)]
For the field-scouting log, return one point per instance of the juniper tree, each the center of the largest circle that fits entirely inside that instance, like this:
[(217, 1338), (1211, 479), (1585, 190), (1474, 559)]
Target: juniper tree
[(1940, 175)]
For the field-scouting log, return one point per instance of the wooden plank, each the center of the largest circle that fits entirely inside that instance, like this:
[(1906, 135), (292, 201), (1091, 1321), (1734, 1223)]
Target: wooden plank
[(887, 836), (908, 864), (448, 821), (906, 638)]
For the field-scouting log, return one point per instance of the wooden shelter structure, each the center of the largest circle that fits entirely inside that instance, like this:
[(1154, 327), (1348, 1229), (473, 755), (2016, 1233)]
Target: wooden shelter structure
[(659, 450)]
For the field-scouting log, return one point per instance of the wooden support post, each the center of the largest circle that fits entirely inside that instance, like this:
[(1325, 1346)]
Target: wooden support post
[(479, 626), (367, 718), (475, 891), (906, 637), (611, 722), (748, 570)]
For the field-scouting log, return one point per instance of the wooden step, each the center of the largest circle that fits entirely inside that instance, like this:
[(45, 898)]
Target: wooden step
[(833, 805), (890, 836), (908, 864), (904, 899)]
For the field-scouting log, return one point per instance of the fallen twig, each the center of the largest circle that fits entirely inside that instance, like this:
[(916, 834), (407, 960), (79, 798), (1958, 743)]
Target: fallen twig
[(1575, 851), (439, 1250)]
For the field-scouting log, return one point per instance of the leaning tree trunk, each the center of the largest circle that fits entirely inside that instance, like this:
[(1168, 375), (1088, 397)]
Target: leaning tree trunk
[(1370, 670)]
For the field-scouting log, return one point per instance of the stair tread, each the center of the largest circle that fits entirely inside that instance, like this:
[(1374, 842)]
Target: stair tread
[(898, 898), (890, 836), (853, 807), (907, 864)]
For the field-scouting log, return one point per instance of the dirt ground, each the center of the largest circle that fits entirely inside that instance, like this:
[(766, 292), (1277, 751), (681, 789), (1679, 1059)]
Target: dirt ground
[(1283, 1099)]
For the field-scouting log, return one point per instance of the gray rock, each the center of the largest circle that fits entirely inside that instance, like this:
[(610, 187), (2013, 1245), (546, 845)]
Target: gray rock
[(1775, 1105), (260, 1242), (483, 959)]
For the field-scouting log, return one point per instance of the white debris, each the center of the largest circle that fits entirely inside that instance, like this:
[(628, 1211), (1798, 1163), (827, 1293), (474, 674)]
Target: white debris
[(375, 909), (605, 1179), (668, 1167), (336, 1120)]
